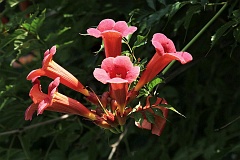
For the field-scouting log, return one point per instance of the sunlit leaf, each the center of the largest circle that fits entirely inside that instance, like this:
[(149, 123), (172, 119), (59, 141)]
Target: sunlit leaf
[(13, 3), (19, 34), (171, 108), (141, 40), (154, 83), (35, 24)]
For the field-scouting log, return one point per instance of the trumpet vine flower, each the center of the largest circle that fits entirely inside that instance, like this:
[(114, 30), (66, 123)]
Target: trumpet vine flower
[(165, 53), (52, 70), (119, 72), (55, 101), (113, 107), (112, 33)]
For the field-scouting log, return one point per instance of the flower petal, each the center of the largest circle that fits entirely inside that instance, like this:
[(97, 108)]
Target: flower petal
[(48, 55), (101, 75), (94, 32), (36, 93), (108, 64), (117, 80), (52, 88), (35, 73), (158, 47), (53, 50), (106, 24), (120, 26), (166, 43), (133, 74), (183, 57), (30, 111), (43, 105), (123, 61), (129, 30)]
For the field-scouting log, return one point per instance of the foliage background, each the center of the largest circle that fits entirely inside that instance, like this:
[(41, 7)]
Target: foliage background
[(206, 91)]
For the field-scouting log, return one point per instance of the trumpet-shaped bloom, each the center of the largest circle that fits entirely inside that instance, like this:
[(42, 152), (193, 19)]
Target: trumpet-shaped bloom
[(112, 33), (116, 70), (53, 70), (119, 72), (55, 101), (159, 122), (165, 53)]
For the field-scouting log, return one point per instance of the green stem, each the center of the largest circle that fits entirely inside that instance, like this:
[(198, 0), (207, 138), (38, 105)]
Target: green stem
[(197, 35)]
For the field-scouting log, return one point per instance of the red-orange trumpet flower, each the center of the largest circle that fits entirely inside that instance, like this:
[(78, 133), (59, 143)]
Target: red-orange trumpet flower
[(165, 53), (55, 101), (119, 72), (112, 34), (52, 70)]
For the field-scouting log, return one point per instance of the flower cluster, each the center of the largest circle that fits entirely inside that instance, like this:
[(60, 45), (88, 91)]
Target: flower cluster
[(114, 106)]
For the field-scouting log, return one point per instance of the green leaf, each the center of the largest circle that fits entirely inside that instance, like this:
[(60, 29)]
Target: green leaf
[(236, 14), (173, 109), (57, 154), (162, 1), (54, 36), (141, 40), (142, 64), (6, 101), (189, 14), (151, 4), (35, 24), (152, 100), (19, 34), (158, 112), (220, 32), (174, 8), (138, 117), (13, 3), (150, 117), (157, 16), (143, 92), (236, 34), (154, 83)]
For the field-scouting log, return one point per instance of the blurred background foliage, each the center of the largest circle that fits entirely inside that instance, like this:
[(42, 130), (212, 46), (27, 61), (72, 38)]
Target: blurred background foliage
[(206, 91)]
